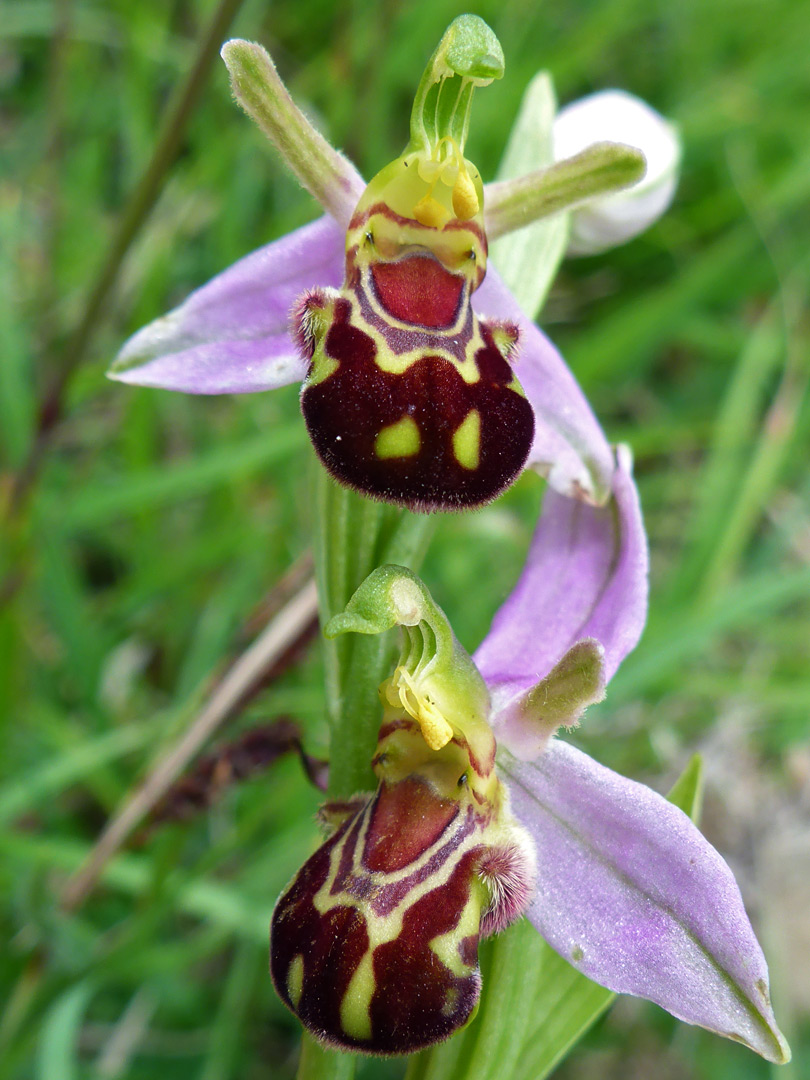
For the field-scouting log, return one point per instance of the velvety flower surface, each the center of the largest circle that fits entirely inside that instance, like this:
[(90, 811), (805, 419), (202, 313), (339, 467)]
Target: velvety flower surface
[(232, 336)]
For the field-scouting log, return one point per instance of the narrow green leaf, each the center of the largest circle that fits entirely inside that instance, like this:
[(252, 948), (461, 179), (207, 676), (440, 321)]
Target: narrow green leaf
[(165, 484), (55, 775), (687, 791), (227, 1032), (58, 1048), (17, 400)]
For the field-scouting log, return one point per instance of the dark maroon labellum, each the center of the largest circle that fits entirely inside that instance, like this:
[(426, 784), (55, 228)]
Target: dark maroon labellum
[(410, 396), (375, 943)]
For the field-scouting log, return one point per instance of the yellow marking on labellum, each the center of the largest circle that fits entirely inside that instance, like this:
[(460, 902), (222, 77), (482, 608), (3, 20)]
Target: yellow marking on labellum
[(445, 946), (399, 440), (515, 385), (460, 251), (355, 1008), (384, 928), (397, 363), (295, 980), (403, 690), (467, 440), (450, 1001), (321, 368)]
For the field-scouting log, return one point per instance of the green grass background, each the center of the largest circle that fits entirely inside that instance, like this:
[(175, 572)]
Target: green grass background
[(155, 521)]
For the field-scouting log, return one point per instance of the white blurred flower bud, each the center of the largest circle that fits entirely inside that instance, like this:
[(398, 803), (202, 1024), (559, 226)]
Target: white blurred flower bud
[(615, 116)]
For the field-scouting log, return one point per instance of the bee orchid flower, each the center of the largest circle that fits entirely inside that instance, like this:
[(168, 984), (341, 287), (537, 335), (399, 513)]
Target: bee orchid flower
[(424, 384), (374, 943)]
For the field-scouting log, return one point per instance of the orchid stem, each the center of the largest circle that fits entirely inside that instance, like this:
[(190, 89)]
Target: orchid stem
[(354, 536), (318, 1063)]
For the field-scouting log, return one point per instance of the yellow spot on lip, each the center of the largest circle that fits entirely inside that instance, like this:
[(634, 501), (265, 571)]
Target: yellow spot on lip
[(467, 440), (295, 979), (355, 1008), (401, 439)]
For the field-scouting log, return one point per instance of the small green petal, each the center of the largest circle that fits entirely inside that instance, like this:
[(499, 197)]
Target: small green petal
[(602, 168), (318, 167)]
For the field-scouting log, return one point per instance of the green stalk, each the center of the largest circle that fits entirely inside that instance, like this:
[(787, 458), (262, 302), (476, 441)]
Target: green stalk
[(318, 1063), (353, 536)]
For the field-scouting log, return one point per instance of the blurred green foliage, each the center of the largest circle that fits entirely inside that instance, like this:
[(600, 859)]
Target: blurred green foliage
[(155, 522)]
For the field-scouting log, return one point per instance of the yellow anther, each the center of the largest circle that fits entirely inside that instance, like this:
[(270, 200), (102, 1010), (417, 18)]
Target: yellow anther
[(435, 729), (465, 197), (429, 211)]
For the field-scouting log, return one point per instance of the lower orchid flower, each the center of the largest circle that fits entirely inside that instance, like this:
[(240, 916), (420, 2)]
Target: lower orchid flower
[(374, 943), (424, 384)]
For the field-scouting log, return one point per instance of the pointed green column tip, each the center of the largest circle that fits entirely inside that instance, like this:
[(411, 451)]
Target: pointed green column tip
[(471, 49), (435, 680), (441, 109)]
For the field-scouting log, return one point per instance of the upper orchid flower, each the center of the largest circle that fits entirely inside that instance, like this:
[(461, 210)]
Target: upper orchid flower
[(424, 384), (374, 943)]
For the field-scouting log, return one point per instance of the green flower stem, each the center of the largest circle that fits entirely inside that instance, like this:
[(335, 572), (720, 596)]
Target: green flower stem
[(354, 536), (318, 1063)]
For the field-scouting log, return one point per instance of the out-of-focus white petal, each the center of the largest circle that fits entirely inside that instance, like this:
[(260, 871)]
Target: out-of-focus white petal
[(616, 116)]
